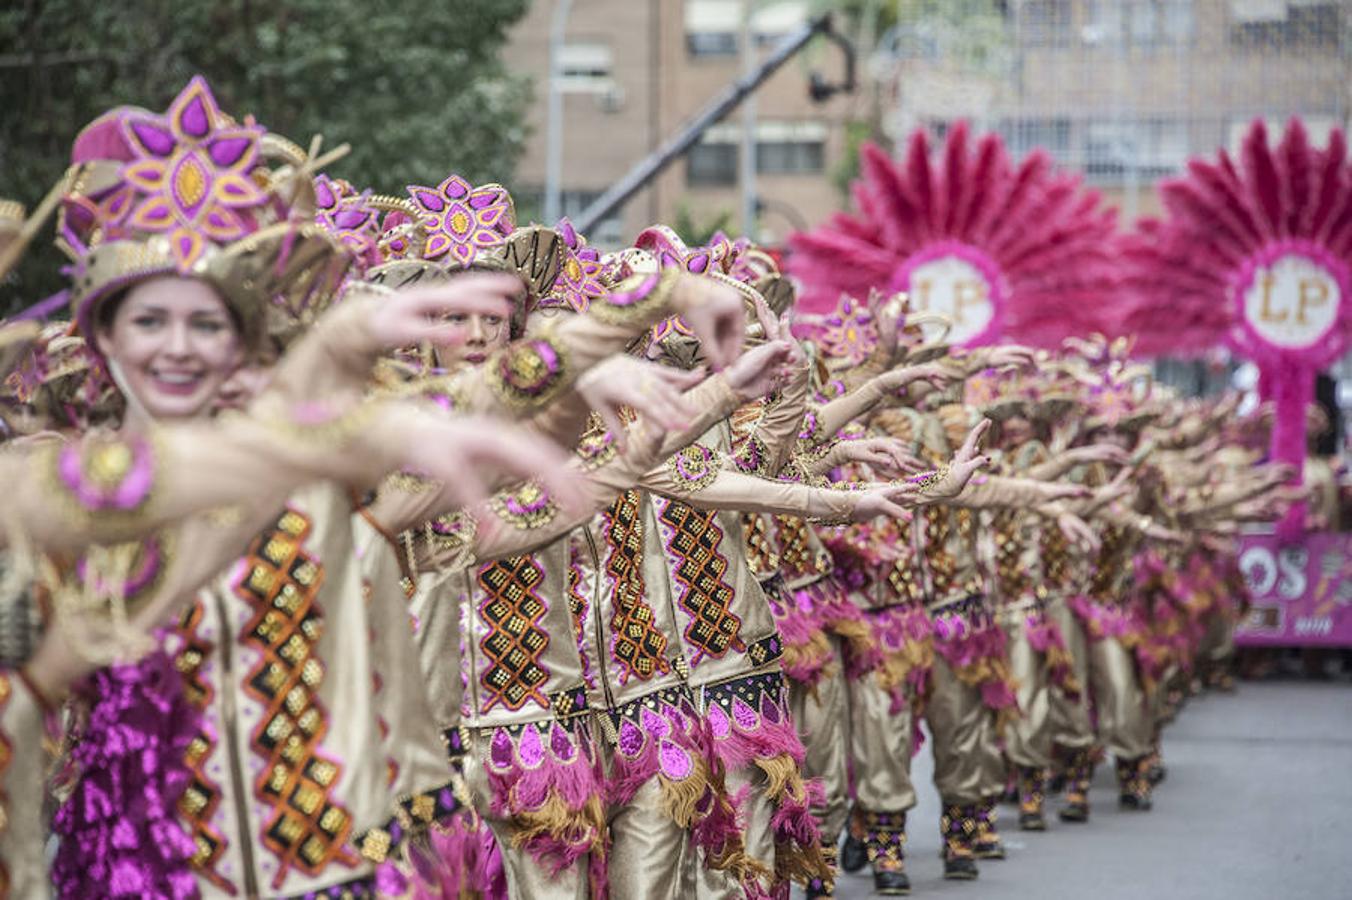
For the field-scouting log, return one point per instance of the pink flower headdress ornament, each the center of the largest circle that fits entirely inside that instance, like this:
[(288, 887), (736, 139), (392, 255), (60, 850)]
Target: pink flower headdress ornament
[(457, 227), (1004, 249), (195, 193), (1256, 254), (749, 270)]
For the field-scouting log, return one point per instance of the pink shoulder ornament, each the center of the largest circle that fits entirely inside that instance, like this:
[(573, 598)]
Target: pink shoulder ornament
[(1003, 249)]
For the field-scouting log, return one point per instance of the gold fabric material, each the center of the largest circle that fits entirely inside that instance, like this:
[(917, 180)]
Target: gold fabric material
[(651, 857), (756, 812), (1124, 721), (967, 764), (1071, 726), (526, 878), (1028, 739), (22, 784), (821, 715), (880, 747)]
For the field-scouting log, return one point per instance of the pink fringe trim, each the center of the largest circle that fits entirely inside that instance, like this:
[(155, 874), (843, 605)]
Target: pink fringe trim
[(530, 770)]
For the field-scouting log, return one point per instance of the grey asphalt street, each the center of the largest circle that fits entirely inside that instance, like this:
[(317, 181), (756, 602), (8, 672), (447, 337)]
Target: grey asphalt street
[(1256, 805)]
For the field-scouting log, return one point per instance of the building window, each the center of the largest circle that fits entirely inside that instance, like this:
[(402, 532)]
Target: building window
[(1140, 24), (1045, 23), (790, 148), (605, 235), (782, 148), (711, 163), (712, 27), (1025, 135), (1285, 23), (1114, 149), (586, 67), (790, 157)]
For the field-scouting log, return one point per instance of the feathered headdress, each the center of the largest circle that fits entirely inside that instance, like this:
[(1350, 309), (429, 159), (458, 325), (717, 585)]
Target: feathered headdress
[(1005, 249)]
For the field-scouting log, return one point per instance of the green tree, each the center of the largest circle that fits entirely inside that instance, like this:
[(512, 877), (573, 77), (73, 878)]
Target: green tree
[(416, 88)]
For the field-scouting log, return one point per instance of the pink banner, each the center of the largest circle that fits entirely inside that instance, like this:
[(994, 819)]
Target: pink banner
[(1301, 591)]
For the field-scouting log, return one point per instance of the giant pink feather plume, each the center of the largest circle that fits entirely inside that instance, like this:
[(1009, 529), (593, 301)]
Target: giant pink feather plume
[(1049, 238), (1180, 270)]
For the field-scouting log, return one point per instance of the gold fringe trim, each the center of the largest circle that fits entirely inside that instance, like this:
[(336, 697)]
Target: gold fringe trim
[(993, 670), (555, 818), (733, 857), (897, 666), (679, 798), (856, 633), (1060, 657), (792, 861)]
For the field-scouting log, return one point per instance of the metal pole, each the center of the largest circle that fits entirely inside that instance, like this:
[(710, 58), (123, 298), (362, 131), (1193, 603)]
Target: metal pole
[(554, 115), (722, 104), (747, 164)]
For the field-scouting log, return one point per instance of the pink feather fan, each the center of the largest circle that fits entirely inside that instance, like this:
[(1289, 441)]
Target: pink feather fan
[(1187, 271), (1039, 239)]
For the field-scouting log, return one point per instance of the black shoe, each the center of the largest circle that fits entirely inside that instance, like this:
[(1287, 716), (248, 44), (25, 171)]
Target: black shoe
[(1075, 812), (817, 889), (854, 855), (1135, 802), (1156, 774), (1032, 821), (891, 883), (960, 868)]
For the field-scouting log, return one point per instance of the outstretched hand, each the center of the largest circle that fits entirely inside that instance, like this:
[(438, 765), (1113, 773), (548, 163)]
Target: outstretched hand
[(414, 316), (1078, 532), (714, 313), (887, 456), (760, 370), (965, 463), (650, 389)]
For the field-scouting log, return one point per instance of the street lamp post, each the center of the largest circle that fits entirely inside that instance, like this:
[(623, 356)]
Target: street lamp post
[(554, 115)]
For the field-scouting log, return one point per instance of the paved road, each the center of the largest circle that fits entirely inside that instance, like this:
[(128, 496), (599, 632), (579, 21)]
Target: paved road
[(1258, 804)]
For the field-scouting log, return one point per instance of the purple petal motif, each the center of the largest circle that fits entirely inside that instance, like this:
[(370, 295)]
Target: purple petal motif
[(654, 724), (744, 715), (529, 749), (500, 750), (159, 141), (719, 723), (675, 762), (631, 740), (195, 120), (562, 745)]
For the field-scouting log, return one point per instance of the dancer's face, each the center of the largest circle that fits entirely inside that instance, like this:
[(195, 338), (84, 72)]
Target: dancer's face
[(172, 343), (479, 336)]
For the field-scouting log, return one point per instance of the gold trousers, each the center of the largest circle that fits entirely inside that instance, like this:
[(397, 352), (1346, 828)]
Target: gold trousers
[(1125, 724), (822, 716), (968, 767), (1071, 725), (880, 748), (1028, 740), (526, 878), (651, 857)]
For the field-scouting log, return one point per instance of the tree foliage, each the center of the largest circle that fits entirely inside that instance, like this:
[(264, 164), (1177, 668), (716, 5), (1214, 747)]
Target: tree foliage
[(416, 88)]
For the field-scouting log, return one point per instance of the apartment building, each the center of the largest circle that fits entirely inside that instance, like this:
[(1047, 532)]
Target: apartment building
[(1123, 90), (636, 70)]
